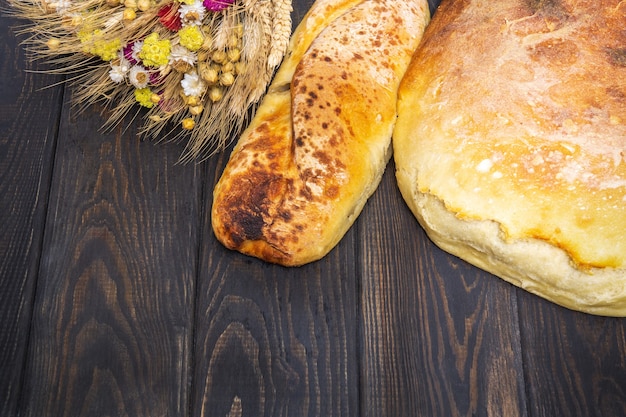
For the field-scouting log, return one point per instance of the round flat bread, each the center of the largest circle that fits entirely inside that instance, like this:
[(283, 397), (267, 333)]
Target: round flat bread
[(510, 145)]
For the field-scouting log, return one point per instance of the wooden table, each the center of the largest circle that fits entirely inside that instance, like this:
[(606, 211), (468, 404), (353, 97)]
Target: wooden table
[(116, 299)]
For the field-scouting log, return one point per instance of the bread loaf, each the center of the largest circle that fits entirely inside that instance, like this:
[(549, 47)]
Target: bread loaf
[(318, 145), (510, 145)]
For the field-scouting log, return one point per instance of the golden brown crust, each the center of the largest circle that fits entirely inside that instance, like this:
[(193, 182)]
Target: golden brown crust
[(514, 113), (318, 145)]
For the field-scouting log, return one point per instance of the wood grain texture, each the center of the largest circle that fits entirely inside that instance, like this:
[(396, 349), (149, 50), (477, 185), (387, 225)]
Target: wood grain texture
[(575, 363), (26, 156), (441, 337), (112, 322)]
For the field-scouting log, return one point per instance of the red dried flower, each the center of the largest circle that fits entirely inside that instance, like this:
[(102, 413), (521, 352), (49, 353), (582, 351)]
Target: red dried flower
[(169, 17)]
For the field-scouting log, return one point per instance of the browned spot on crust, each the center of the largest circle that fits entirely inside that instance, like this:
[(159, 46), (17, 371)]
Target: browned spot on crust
[(332, 191), (322, 157), (245, 225), (617, 57), (285, 215)]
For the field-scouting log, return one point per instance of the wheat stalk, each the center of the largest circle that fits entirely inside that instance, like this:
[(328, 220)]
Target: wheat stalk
[(281, 31)]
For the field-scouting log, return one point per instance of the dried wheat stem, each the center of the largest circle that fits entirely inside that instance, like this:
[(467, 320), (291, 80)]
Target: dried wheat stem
[(281, 31), (262, 12), (225, 29)]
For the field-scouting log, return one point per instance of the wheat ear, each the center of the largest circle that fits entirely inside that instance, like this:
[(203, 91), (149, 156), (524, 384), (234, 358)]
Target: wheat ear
[(281, 31)]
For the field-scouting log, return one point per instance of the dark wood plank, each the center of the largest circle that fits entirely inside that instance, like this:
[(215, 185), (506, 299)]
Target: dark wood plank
[(441, 338), (113, 317), (275, 341), (575, 363), (28, 116)]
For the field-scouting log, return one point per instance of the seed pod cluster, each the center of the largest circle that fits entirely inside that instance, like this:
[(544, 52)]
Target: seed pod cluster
[(220, 61)]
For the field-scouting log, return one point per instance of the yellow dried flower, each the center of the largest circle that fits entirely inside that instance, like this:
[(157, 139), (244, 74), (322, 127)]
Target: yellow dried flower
[(84, 36), (129, 14), (155, 52), (189, 2), (95, 44), (191, 37), (144, 97), (107, 50), (188, 123)]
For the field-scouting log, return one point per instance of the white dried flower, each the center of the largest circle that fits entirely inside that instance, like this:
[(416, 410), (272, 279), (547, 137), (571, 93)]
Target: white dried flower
[(136, 49), (61, 6), (192, 84), (192, 14), (118, 72), (180, 53), (138, 76)]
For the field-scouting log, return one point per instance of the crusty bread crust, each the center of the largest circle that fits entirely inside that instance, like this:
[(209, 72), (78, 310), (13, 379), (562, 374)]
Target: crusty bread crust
[(510, 144), (534, 265), (319, 143)]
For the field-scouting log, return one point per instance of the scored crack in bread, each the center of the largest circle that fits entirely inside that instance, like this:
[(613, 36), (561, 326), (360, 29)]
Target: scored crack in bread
[(318, 145), (510, 144)]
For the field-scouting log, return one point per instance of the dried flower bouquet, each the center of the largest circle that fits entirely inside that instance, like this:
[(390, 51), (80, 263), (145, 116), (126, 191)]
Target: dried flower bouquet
[(196, 67)]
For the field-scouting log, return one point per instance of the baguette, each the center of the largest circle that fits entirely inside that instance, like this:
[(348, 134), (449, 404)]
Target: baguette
[(318, 145)]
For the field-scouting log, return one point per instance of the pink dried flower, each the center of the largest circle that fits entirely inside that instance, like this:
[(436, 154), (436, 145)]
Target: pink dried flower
[(216, 5), (130, 53), (156, 78)]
